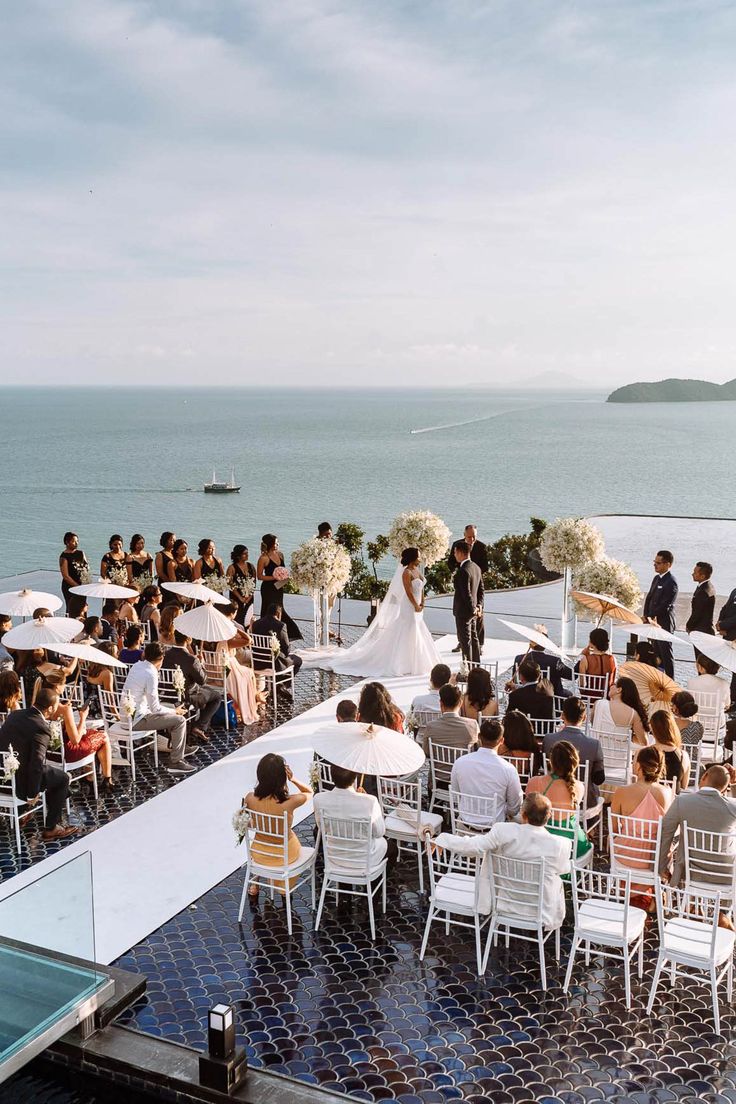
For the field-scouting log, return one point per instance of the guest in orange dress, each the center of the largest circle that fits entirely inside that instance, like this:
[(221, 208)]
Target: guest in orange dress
[(271, 796)]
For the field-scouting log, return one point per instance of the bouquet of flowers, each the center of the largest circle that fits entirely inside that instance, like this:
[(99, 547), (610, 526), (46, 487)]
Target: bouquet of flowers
[(275, 646), (320, 565), (314, 776), (246, 587), (127, 704), (280, 576), (12, 763), (570, 543), (218, 583), (420, 529), (118, 575), (84, 576), (410, 722), (56, 736), (241, 823), (143, 581), (613, 577), (227, 663), (179, 682)]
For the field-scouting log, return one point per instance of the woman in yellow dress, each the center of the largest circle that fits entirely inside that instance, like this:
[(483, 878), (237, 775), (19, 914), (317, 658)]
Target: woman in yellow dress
[(271, 796)]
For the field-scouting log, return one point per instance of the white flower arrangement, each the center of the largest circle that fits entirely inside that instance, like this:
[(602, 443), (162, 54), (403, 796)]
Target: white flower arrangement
[(84, 575), (275, 646), (314, 776), (321, 565), (127, 704), (607, 576), (245, 588), (420, 529), (410, 722), (12, 763), (143, 581), (570, 543), (241, 823), (56, 736), (179, 682), (118, 575), (218, 583)]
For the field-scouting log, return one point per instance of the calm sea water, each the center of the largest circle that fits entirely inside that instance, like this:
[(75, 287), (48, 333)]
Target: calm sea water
[(101, 461)]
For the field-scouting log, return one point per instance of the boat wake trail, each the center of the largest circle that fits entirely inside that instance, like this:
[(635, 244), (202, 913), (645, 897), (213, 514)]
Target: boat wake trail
[(471, 421)]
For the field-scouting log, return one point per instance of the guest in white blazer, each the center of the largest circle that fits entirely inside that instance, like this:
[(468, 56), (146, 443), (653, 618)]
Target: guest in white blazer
[(528, 840), (352, 803)]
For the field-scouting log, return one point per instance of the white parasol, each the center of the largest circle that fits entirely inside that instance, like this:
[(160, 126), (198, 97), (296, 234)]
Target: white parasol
[(605, 605), (537, 637), (653, 632), (206, 623), (198, 592), (88, 654), (104, 589), (22, 603), (722, 652), (368, 748), (42, 633)]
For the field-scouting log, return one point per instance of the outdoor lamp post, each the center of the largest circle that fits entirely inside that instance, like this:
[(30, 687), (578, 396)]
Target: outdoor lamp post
[(223, 1067)]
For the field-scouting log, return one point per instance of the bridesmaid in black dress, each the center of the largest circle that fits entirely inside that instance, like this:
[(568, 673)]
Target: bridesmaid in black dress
[(208, 567), (271, 558), (115, 558), (181, 566), (164, 557), (241, 575), (74, 568), (139, 563)]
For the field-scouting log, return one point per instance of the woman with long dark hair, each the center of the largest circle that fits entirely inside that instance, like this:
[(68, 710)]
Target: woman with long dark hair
[(270, 559), (271, 796), (241, 575), (479, 700), (566, 792), (74, 568), (624, 709)]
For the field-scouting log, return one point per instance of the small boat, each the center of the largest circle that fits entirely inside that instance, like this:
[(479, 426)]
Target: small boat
[(216, 487)]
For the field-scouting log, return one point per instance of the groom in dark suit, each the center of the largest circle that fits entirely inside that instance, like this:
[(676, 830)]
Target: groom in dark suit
[(659, 605), (467, 604)]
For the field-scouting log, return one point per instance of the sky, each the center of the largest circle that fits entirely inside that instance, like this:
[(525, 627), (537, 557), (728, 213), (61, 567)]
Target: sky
[(339, 192)]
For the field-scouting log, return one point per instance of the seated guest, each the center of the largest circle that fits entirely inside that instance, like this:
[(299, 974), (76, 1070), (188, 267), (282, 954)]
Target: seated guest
[(33, 665), (587, 747), (6, 659), (710, 808), (527, 840), (203, 697), (450, 728), (551, 667), (150, 713), (10, 690), (623, 709), (430, 702), (127, 611), (351, 803), (132, 650), (646, 799), (377, 707), (272, 624), (150, 601), (110, 620), (533, 696), (596, 660), (486, 774), (667, 739), (479, 700), (685, 710), (100, 675), (346, 711), (29, 732), (708, 682), (519, 741), (91, 631), (564, 789), (79, 741), (77, 607), (241, 682), (645, 652), (271, 796), (169, 614)]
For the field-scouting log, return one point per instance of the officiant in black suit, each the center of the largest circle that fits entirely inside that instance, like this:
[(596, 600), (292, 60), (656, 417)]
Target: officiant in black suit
[(659, 605), (478, 553), (467, 604), (703, 604)]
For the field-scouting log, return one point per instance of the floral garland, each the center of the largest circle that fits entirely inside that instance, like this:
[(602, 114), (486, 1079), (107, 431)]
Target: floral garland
[(612, 577), (11, 763), (420, 529), (320, 565), (570, 543)]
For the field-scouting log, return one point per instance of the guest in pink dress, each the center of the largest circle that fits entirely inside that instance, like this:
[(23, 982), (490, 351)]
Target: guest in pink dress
[(644, 799)]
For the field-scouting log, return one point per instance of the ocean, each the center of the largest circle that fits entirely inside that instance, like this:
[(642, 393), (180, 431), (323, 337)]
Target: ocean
[(109, 460)]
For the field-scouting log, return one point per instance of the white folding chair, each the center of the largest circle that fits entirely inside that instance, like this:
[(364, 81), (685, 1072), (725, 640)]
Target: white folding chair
[(401, 804), (697, 763), (710, 862), (216, 671), (588, 813), (422, 718), (119, 727), (617, 754), (267, 859), (471, 814), (565, 823), (119, 675), (454, 891), (347, 845), (591, 688), (11, 805), (712, 716), (264, 664), (517, 897), (524, 766), (442, 759), (325, 780), (604, 917), (169, 695), (543, 726), (689, 937), (73, 693), (634, 847)]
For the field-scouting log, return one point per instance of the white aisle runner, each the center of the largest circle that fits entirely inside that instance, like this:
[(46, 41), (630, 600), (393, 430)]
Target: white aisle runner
[(157, 859)]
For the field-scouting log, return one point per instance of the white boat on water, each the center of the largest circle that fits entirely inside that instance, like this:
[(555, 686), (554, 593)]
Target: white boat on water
[(218, 487)]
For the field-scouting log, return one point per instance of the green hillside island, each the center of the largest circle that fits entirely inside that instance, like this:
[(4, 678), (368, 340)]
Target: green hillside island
[(675, 390)]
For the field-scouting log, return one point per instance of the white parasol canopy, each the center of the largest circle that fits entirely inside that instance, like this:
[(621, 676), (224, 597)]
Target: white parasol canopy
[(42, 633), (368, 748), (22, 603), (88, 654), (198, 592), (605, 605), (206, 623), (716, 648), (104, 589), (653, 632), (536, 637)]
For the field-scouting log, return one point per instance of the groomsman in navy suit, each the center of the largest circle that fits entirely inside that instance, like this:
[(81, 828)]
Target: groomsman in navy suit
[(660, 606)]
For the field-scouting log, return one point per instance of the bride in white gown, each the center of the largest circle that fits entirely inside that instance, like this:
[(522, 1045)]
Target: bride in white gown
[(397, 642)]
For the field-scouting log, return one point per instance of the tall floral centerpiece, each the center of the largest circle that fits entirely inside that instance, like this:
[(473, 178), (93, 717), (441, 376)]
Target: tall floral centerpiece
[(567, 545), (321, 566), (420, 529), (613, 577)]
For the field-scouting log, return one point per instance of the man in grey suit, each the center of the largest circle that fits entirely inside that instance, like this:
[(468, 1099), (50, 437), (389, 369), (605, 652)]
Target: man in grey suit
[(709, 809), (467, 604), (450, 728), (589, 749)]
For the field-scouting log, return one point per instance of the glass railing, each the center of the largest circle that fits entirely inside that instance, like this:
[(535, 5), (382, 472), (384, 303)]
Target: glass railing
[(46, 928)]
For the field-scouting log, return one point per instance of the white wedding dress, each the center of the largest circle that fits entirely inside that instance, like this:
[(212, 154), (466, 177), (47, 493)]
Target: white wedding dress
[(397, 642)]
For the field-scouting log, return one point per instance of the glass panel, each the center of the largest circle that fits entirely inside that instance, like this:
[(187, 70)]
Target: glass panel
[(46, 926)]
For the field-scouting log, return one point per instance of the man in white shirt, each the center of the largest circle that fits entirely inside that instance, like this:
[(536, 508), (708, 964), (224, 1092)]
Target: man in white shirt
[(528, 840), (708, 682), (439, 676), (352, 804), (150, 713), (484, 773)]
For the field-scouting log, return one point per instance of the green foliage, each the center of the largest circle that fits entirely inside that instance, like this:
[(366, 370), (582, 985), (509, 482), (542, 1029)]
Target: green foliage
[(508, 557), (350, 537), (364, 583), (439, 577)]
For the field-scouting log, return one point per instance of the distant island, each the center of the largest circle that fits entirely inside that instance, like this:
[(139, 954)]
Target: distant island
[(675, 390)]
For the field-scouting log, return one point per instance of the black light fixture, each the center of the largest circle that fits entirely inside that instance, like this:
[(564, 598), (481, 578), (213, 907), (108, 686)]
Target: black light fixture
[(223, 1067)]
